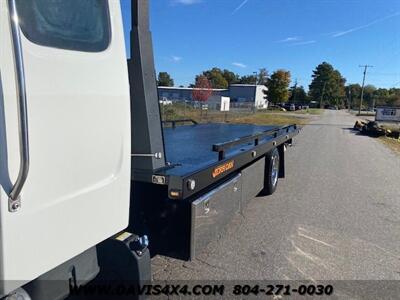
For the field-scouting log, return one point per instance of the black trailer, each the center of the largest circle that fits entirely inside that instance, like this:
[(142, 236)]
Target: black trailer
[(189, 181)]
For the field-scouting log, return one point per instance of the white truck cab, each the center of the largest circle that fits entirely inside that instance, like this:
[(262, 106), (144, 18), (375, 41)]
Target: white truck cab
[(65, 136)]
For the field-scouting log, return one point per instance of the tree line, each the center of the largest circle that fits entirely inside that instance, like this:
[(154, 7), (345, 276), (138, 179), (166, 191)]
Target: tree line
[(327, 87)]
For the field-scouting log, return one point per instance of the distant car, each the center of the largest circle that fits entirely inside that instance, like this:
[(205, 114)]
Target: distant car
[(275, 107), (289, 106), (165, 101), (332, 107)]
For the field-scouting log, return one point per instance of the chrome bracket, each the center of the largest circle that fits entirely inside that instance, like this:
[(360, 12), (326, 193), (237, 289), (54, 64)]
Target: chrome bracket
[(157, 155), (14, 205)]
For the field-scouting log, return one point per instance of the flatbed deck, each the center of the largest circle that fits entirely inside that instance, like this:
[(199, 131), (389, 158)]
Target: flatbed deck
[(193, 151), (191, 146)]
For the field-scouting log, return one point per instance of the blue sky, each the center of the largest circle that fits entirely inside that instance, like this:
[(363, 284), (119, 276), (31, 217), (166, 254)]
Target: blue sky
[(244, 35)]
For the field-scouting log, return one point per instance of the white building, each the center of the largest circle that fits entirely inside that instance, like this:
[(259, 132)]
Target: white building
[(238, 93), (249, 93)]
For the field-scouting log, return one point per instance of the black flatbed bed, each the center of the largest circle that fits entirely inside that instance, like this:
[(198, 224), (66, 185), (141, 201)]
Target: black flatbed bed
[(191, 146), (195, 151)]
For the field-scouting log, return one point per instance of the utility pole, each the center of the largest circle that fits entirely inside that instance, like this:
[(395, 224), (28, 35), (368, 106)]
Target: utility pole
[(322, 95), (349, 99), (295, 91), (363, 85), (373, 102), (255, 92)]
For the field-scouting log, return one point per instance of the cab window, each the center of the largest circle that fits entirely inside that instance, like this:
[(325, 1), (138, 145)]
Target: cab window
[(82, 25)]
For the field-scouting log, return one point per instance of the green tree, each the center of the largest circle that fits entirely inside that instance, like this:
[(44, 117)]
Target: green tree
[(248, 79), (230, 77), (373, 96), (261, 78), (297, 94), (327, 86), (164, 79), (381, 96), (353, 94), (221, 79), (382, 93), (369, 95), (216, 78), (393, 98), (394, 91), (278, 86)]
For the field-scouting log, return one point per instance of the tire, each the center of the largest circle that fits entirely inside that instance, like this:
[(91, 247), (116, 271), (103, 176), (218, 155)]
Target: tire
[(271, 175)]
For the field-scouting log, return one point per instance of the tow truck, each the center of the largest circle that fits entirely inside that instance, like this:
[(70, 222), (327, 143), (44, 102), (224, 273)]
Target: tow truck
[(92, 182)]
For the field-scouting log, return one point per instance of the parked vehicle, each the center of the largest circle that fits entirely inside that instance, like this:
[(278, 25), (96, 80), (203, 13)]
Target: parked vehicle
[(331, 107), (91, 183), (165, 101), (289, 106)]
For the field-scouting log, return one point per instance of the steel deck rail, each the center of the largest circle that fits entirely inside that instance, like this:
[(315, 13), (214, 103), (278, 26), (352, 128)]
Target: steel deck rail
[(254, 138)]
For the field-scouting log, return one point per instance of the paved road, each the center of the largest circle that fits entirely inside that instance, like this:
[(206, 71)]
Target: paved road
[(335, 216)]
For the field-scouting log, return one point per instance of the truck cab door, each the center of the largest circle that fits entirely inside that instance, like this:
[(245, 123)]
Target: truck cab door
[(78, 107)]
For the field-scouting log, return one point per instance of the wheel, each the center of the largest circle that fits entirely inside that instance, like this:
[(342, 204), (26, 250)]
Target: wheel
[(271, 174)]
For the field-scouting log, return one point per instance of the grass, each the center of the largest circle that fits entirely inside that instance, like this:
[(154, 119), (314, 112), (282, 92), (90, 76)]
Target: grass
[(179, 111), (393, 144), (366, 114), (394, 128), (391, 141), (269, 119)]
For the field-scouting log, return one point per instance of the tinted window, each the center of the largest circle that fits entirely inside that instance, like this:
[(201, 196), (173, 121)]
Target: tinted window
[(81, 25)]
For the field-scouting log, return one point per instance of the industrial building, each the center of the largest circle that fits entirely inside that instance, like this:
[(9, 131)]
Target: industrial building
[(238, 94)]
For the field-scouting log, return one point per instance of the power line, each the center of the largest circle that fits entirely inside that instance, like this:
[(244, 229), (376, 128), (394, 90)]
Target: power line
[(295, 91), (363, 85), (383, 74)]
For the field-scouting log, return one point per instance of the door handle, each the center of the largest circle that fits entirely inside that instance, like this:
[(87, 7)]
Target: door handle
[(14, 200)]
